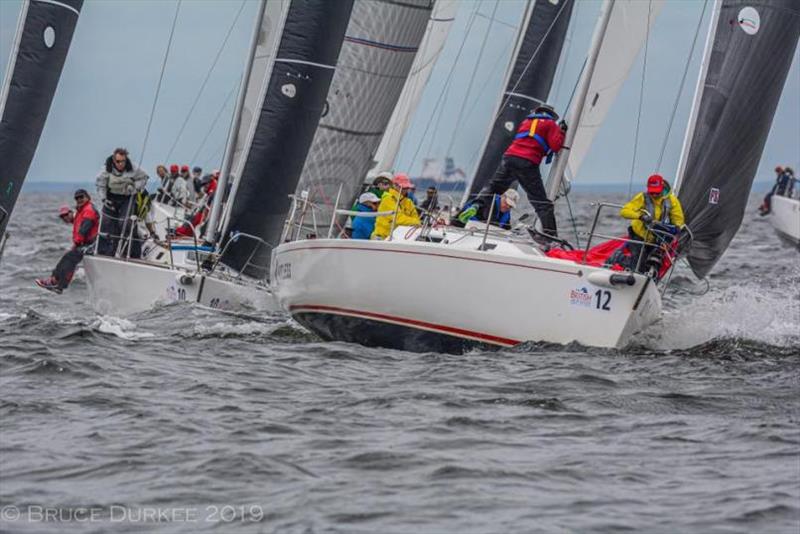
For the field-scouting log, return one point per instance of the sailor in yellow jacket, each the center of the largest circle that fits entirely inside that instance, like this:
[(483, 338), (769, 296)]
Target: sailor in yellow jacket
[(396, 198), (658, 204)]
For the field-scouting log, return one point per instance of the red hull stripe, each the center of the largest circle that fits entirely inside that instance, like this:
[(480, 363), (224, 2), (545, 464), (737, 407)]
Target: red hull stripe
[(460, 332), (448, 256)]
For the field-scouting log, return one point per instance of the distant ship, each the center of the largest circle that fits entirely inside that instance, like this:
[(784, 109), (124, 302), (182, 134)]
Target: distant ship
[(444, 178)]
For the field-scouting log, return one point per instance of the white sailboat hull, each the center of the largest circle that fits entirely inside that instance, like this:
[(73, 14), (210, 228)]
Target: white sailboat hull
[(118, 287), (785, 218), (423, 296)]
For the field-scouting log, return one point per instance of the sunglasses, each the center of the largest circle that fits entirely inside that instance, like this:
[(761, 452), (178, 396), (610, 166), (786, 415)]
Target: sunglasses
[(119, 161), (80, 197)]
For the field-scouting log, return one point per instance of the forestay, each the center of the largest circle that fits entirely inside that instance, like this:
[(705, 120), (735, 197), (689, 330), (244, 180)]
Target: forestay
[(746, 63), (44, 34), (528, 80), (381, 42), (291, 100)]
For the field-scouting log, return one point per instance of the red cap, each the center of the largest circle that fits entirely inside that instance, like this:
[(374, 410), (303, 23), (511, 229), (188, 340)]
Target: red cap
[(173, 168), (779, 169), (655, 184), (185, 168), (63, 210), (402, 180)]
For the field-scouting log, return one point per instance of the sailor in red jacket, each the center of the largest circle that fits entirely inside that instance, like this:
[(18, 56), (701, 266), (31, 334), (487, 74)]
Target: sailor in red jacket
[(538, 137), (85, 223)]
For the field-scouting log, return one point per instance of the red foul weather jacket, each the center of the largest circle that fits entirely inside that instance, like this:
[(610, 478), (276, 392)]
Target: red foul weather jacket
[(528, 145), (86, 224)]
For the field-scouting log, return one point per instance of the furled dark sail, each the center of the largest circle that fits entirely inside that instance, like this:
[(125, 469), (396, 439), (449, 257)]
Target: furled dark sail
[(747, 62), (527, 86), (294, 102), (40, 48)]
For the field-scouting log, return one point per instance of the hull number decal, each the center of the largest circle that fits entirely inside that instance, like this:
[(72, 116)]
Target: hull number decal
[(602, 300)]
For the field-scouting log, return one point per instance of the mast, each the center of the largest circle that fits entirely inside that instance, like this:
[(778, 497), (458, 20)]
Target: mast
[(212, 233), (575, 112)]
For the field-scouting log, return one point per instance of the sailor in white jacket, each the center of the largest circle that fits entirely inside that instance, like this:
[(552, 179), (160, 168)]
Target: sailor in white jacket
[(119, 180)]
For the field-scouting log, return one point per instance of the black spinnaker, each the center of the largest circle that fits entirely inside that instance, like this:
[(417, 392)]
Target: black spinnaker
[(38, 53), (528, 82), (294, 102), (747, 64)]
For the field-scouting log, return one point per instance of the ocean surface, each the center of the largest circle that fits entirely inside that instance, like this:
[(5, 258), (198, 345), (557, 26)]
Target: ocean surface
[(184, 419)]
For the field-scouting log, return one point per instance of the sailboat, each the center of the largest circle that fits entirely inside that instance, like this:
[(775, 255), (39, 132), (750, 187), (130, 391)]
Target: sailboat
[(292, 60), (488, 287), (44, 33), (785, 218)]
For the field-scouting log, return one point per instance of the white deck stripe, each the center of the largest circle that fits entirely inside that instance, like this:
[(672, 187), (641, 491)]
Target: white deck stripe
[(301, 62), (59, 4)]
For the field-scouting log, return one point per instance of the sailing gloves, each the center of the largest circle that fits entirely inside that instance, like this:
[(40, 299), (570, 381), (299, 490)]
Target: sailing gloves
[(646, 219)]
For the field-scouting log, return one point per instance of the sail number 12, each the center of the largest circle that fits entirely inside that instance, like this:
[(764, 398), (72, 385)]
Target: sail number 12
[(602, 299)]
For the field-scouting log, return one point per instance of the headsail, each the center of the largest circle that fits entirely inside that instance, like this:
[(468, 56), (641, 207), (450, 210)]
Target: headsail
[(746, 63), (442, 17), (530, 76), (381, 44), (44, 33), (626, 31), (292, 100)]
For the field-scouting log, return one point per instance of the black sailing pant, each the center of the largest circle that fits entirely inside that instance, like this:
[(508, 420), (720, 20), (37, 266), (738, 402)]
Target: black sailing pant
[(117, 210), (65, 268), (513, 169)]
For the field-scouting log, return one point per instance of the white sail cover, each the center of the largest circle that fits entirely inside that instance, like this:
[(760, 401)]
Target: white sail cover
[(442, 17), (627, 30), (381, 42)]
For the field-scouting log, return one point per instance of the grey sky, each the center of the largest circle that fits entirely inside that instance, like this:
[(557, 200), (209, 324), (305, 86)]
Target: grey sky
[(109, 82)]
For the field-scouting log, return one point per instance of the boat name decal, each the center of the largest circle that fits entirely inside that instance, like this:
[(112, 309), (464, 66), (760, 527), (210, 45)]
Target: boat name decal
[(580, 297)]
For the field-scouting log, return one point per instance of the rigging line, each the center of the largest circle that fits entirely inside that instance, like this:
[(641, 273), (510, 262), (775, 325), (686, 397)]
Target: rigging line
[(205, 81), (445, 86), (572, 219), (471, 84), (570, 39), (160, 80), (681, 86), (214, 122), (641, 97), (497, 65)]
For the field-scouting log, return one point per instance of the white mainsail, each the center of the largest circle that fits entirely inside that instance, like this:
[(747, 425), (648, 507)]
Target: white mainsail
[(628, 27), (442, 17)]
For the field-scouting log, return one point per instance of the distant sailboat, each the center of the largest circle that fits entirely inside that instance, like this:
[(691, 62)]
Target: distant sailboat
[(38, 53), (292, 60)]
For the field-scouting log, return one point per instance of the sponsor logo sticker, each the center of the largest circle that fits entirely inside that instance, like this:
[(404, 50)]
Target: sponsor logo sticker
[(580, 297), (713, 196), (749, 20)]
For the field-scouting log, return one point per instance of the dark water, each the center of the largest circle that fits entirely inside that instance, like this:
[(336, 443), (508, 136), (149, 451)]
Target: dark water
[(187, 420)]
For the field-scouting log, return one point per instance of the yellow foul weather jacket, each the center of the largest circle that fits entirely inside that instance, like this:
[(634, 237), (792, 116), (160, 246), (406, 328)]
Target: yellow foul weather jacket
[(638, 205), (406, 216)]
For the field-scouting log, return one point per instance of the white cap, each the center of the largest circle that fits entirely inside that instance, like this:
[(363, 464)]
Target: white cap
[(368, 197), (512, 197)]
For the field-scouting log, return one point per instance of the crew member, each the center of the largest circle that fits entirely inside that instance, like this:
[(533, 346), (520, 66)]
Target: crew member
[(85, 222), (117, 184), (396, 198), (501, 212), (657, 205), (782, 187), (364, 226), (538, 137)]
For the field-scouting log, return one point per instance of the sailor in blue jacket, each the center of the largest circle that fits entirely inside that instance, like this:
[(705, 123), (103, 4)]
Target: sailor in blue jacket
[(363, 226)]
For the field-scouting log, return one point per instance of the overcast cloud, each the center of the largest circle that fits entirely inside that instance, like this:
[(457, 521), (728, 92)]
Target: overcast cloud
[(109, 82)]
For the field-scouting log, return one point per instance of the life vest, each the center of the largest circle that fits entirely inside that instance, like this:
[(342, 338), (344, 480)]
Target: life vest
[(142, 205), (503, 219), (666, 208), (548, 154), (85, 213)]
